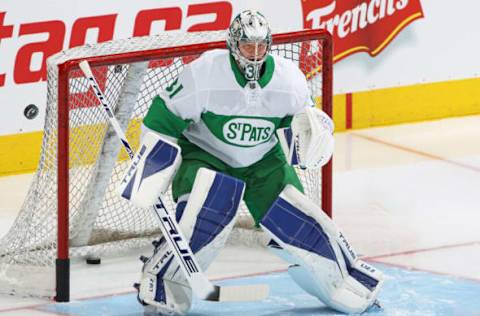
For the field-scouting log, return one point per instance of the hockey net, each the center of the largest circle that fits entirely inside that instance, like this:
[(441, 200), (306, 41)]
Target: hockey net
[(71, 209)]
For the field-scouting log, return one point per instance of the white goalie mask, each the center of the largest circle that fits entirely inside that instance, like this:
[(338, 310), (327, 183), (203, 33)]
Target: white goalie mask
[(249, 40)]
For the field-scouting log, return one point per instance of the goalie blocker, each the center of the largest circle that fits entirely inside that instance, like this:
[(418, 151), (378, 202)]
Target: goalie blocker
[(322, 261), (151, 170)]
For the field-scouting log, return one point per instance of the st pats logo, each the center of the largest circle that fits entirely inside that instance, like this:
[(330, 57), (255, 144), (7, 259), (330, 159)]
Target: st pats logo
[(360, 25), (247, 132)]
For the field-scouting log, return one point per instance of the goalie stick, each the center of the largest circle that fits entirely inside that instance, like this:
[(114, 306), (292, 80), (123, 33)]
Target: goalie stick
[(201, 286)]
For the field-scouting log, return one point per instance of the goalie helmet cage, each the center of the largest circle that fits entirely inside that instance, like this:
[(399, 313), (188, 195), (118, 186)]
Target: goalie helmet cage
[(71, 209)]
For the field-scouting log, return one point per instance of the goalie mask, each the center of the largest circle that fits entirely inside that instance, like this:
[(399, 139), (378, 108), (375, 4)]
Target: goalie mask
[(249, 40)]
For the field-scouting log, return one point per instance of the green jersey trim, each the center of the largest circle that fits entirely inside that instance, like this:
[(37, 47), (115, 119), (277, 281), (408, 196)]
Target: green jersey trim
[(268, 74), (161, 119), (264, 79), (286, 121)]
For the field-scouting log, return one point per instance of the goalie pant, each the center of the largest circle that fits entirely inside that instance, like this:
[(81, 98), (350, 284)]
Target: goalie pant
[(323, 262)]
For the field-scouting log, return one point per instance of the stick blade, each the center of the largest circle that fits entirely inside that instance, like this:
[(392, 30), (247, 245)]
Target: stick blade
[(242, 293)]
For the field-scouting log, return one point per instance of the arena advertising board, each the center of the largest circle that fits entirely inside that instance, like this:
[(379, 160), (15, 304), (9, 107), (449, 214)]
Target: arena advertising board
[(360, 26), (28, 38)]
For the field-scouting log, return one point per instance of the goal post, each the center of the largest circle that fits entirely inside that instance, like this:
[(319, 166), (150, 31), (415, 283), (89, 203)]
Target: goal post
[(71, 209)]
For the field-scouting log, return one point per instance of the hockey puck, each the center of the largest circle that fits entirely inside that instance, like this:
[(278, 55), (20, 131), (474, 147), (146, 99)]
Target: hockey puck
[(31, 111), (94, 260)]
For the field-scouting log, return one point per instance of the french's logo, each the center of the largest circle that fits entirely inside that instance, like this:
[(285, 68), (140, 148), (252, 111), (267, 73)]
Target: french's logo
[(360, 26)]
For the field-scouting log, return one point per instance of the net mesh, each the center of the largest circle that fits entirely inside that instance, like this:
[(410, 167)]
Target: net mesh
[(100, 221)]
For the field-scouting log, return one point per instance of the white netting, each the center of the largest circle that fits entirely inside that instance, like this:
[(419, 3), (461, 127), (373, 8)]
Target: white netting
[(100, 221)]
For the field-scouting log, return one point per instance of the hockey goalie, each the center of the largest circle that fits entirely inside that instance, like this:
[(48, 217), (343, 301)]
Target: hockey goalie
[(211, 135)]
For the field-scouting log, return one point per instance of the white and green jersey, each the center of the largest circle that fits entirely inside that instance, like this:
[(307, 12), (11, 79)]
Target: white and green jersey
[(214, 107)]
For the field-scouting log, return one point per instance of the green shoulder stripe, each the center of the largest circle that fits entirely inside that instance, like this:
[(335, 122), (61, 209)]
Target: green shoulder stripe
[(161, 119)]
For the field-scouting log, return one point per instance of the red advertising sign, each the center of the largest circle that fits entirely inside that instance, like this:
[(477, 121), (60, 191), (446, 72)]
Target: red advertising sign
[(360, 25), (193, 16)]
